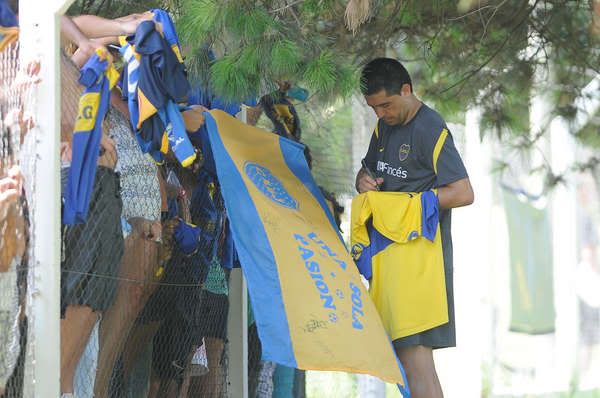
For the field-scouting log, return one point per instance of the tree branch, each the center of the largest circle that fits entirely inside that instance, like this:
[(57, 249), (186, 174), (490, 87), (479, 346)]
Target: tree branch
[(286, 6), (473, 72)]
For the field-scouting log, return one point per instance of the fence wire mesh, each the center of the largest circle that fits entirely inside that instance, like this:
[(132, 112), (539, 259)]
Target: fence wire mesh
[(142, 314), (17, 167), (149, 315)]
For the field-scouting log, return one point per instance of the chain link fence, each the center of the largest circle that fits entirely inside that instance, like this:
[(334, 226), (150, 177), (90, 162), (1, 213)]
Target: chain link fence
[(18, 140), (144, 281), (143, 310)]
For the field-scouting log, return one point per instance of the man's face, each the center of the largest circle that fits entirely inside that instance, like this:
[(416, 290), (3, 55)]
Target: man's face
[(393, 109)]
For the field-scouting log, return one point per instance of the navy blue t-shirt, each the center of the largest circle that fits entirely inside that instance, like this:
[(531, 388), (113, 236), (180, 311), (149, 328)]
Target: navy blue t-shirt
[(417, 157), (404, 155)]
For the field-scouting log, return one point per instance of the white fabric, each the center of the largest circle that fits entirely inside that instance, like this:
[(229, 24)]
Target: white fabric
[(140, 189), (85, 375), (588, 284), (9, 321)]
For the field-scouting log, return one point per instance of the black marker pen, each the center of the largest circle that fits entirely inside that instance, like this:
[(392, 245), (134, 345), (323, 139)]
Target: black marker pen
[(370, 173)]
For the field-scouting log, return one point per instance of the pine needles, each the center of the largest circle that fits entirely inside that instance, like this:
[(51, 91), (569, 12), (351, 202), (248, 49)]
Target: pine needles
[(260, 48)]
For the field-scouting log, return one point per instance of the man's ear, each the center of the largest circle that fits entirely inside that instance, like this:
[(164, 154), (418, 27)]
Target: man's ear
[(405, 89)]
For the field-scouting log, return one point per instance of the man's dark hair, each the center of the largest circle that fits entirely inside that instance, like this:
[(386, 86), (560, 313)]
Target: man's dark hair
[(384, 74)]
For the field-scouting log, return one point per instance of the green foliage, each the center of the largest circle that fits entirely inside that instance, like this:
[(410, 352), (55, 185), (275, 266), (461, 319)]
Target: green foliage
[(317, 8), (285, 58), (506, 102), (348, 81), (228, 74), (589, 135), (484, 56), (198, 21), (456, 57), (257, 24), (330, 142), (249, 60), (261, 48), (320, 73)]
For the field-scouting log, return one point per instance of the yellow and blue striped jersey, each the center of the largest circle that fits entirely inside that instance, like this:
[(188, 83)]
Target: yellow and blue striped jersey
[(396, 243)]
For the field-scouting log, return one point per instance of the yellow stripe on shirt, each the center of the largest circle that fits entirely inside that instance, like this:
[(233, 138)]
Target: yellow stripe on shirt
[(438, 148)]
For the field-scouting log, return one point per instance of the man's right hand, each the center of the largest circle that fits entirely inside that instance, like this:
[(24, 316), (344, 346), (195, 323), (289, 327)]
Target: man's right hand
[(365, 183), (86, 48), (129, 23)]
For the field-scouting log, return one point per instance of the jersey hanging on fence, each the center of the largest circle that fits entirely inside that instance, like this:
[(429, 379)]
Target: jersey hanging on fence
[(311, 309), (154, 81), (98, 76)]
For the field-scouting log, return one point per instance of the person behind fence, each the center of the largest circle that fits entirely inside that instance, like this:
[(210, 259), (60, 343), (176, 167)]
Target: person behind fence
[(215, 301), (170, 353), (91, 258), (136, 353), (141, 199), (214, 305), (141, 222), (12, 249), (15, 80), (176, 307), (11, 244), (93, 240), (411, 150)]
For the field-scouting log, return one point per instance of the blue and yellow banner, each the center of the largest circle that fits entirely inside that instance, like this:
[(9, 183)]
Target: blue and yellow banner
[(311, 308)]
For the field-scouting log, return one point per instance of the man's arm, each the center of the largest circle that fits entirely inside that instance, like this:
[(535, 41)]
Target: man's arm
[(82, 29), (364, 182), (85, 46), (456, 194), (95, 27)]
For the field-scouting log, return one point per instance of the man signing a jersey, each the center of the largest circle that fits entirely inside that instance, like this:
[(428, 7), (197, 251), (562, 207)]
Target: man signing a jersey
[(411, 150)]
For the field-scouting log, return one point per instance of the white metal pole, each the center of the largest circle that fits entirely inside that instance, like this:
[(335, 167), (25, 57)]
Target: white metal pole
[(237, 326), (564, 230), (237, 335), (39, 27)]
